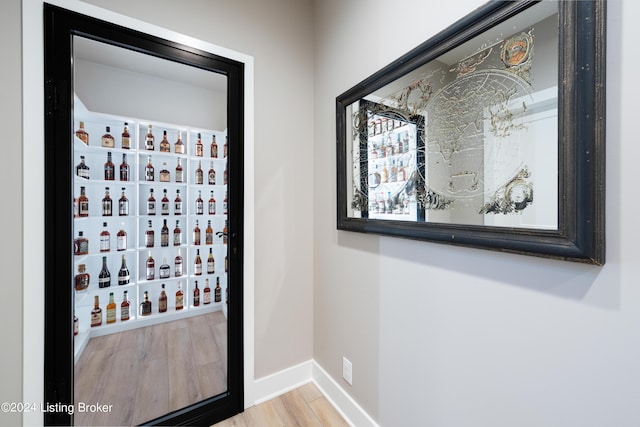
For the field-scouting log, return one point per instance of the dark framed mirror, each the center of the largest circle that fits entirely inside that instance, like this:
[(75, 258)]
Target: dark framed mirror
[(509, 154), (143, 295)]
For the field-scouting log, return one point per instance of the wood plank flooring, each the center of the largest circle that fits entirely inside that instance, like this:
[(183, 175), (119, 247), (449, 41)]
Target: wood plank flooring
[(305, 406), (146, 372)]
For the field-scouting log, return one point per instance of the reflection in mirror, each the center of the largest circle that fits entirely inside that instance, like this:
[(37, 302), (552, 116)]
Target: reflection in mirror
[(468, 138), (150, 244)]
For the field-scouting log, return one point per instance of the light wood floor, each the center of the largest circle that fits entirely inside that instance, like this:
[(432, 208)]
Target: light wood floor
[(148, 372), (305, 406)]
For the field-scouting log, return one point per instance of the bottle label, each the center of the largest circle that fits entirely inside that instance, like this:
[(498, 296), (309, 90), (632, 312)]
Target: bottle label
[(109, 173), (164, 208), (178, 268), (177, 239), (146, 308), (198, 177), (124, 174), (165, 271), (207, 298), (199, 207), (96, 318), (83, 173), (225, 206), (149, 239), (198, 269), (214, 150), (151, 273), (164, 239), (196, 237), (209, 239), (122, 243), (151, 208), (107, 142), (126, 142), (111, 315), (124, 312), (212, 177), (212, 208), (148, 174), (218, 295), (210, 266), (104, 282), (124, 279), (162, 305), (123, 208), (84, 208), (107, 208), (105, 245), (179, 301), (165, 176), (196, 299), (178, 176), (178, 208)]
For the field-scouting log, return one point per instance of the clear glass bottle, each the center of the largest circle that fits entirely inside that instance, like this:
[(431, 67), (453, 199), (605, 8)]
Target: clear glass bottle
[(199, 173), (80, 244), (208, 234), (196, 234), (121, 240), (177, 204), (177, 262), (164, 203), (179, 171), (199, 204), (177, 234), (149, 236), (165, 270), (165, 175)]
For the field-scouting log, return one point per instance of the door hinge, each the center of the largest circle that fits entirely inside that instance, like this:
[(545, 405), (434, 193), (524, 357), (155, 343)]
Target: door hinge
[(50, 98)]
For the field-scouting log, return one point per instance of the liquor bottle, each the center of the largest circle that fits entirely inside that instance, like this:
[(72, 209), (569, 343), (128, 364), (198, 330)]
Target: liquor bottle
[(82, 170), (179, 146), (199, 173), (211, 264), (125, 307), (178, 264), (162, 301), (126, 138), (402, 173), (83, 203), (76, 324), (80, 244), (121, 240), (206, 294), (123, 273), (385, 173), (177, 204), (225, 203), (217, 292), (123, 204), (226, 263), (211, 175), (164, 203), (104, 278), (165, 175), (196, 295), (105, 239), (109, 168), (199, 204), (225, 233), (212, 204), (151, 267), (196, 234), (208, 234), (76, 208), (177, 234), (165, 270), (197, 265), (151, 203), (393, 174), (179, 171), (111, 309), (199, 147), (388, 203), (107, 203), (124, 168), (82, 134), (165, 147), (107, 139), (145, 305), (179, 297), (149, 236), (399, 144), (226, 146), (149, 171), (82, 279), (226, 175), (214, 147), (149, 139), (96, 313)]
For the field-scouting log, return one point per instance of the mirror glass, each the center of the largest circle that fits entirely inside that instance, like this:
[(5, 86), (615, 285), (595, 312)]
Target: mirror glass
[(470, 137), (150, 243)]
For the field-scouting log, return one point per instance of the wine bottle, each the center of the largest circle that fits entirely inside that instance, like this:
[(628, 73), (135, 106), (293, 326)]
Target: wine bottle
[(126, 138), (196, 234), (111, 309), (179, 146), (105, 239), (197, 265), (149, 139), (145, 305), (162, 301), (125, 306), (208, 234), (123, 273), (82, 170), (164, 234), (107, 203), (217, 294), (109, 168), (82, 134), (124, 168), (179, 297), (123, 204), (107, 139), (196, 295), (211, 265), (206, 294), (104, 278), (177, 234), (165, 147), (96, 313)]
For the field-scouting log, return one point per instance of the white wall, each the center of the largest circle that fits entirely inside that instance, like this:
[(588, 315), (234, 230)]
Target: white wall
[(449, 336)]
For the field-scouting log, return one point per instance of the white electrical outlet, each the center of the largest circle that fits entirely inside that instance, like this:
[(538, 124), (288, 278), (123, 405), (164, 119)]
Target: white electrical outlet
[(347, 370)]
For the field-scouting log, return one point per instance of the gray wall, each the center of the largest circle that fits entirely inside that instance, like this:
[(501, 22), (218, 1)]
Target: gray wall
[(11, 216), (448, 336)]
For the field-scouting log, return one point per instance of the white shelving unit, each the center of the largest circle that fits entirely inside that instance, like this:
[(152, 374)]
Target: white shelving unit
[(137, 190)]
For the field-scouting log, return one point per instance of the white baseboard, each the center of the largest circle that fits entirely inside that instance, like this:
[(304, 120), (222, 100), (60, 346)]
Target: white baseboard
[(310, 371)]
